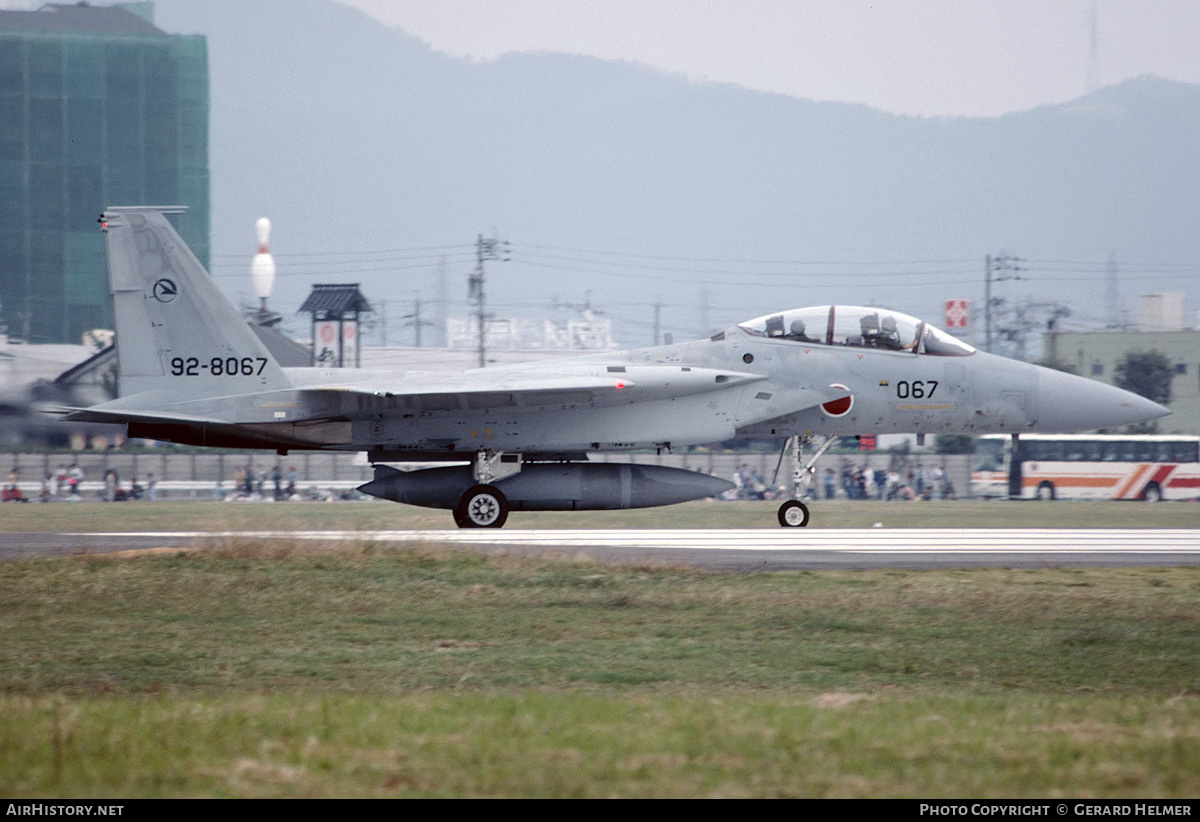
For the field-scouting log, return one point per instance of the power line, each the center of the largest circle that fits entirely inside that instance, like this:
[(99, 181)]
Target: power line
[(425, 250), (485, 250)]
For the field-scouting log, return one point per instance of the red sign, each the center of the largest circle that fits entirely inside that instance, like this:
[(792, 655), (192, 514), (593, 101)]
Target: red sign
[(956, 313)]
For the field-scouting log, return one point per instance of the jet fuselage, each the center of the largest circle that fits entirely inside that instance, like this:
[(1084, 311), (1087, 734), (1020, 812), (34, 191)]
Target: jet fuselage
[(191, 371)]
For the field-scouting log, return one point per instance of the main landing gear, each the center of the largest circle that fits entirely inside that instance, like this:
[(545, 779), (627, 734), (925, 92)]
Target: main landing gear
[(794, 513), (484, 505)]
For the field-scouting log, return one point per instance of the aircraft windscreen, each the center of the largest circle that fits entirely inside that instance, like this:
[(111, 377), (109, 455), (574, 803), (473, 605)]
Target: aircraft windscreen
[(860, 327), (939, 343)]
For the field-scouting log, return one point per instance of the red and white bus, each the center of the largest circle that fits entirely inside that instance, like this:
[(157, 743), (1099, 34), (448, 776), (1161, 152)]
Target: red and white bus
[(1087, 466)]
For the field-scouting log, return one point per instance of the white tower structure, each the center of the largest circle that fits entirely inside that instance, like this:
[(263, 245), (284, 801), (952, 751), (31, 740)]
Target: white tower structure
[(262, 269)]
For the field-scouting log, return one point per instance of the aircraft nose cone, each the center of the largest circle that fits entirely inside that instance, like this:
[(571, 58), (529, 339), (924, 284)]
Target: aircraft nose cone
[(1071, 403)]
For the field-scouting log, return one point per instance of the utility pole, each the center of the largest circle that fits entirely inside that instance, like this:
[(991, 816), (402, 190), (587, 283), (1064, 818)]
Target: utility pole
[(1112, 293), (657, 321), (485, 249), (1057, 312), (443, 301), (414, 319), (995, 269), (1025, 321)]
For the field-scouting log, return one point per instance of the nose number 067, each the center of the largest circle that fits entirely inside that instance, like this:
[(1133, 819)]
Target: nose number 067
[(916, 389)]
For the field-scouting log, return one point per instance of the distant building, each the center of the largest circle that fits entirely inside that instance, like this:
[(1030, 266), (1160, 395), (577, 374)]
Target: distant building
[(1097, 355), (588, 333), (1162, 312), (98, 107)]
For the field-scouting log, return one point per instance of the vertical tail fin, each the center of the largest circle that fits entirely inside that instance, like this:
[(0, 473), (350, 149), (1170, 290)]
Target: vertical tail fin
[(175, 330)]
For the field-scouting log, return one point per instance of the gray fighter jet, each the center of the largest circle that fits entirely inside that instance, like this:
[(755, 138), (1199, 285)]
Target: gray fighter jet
[(191, 371)]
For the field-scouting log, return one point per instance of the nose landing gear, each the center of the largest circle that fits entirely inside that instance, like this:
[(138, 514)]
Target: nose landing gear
[(794, 513)]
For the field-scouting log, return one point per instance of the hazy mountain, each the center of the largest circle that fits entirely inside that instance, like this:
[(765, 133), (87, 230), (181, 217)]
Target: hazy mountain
[(355, 137)]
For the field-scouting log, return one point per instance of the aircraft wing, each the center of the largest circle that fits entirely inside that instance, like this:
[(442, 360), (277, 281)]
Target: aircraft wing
[(548, 386), (490, 388)]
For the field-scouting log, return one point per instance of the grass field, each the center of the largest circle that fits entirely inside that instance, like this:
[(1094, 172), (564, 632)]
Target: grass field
[(351, 670)]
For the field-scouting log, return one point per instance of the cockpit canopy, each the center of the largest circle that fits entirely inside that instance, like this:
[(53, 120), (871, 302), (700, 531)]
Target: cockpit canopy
[(858, 326)]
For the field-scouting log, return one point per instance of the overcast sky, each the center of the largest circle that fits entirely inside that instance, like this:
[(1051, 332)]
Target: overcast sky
[(925, 57)]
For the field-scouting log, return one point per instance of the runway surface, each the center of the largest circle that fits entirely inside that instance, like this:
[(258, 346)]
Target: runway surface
[(735, 550)]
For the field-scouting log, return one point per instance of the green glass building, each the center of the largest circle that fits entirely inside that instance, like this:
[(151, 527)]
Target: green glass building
[(98, 107)]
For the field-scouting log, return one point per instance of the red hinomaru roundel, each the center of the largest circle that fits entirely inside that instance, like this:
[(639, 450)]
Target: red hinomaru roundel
[(841, 407)]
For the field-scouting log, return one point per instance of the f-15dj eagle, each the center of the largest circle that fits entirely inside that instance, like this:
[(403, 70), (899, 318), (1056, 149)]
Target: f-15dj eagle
[(191, 371)]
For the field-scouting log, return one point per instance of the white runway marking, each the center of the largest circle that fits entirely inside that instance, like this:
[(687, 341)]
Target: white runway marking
[(855, 541)]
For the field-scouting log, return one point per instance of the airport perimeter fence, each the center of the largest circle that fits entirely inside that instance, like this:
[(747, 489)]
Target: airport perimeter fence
[(322, 475)]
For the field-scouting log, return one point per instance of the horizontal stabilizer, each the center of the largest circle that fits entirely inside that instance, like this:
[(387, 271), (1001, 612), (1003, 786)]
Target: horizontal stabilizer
[(128, 415)]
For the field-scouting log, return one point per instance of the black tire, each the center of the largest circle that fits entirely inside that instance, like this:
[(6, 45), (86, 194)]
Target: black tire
[(793, 514), (1045, 492), (482, 506), (1152, 493)]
